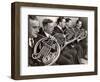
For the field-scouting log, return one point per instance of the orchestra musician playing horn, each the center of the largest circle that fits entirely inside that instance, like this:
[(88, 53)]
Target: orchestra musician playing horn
[(81, 33)]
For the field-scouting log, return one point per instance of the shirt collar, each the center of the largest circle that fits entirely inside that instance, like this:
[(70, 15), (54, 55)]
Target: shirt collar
[(47, 34), (59, 27)]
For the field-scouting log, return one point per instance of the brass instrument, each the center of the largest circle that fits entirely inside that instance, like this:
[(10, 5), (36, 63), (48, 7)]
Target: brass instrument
[(82, 35), (46, 51)]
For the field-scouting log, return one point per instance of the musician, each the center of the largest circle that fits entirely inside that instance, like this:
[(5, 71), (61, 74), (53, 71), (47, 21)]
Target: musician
[(68, 31), (46, 31), (33, 37), (79, 30), (60, 26), (48, 27), (81, 40)]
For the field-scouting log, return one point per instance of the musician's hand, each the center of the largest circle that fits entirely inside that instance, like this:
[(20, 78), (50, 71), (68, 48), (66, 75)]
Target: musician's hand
[(82, 36), (35, 56)]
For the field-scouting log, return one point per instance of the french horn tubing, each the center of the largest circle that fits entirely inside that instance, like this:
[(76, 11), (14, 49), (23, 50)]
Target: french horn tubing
[(47, 50)]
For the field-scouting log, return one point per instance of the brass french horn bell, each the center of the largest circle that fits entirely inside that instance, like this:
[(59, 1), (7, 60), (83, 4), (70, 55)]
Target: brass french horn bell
[(47, 50)]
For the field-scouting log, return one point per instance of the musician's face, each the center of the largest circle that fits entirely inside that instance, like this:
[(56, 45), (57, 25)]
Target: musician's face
[(69, 24), (33, 27), (79, 24), (49, 28), (62, 24)]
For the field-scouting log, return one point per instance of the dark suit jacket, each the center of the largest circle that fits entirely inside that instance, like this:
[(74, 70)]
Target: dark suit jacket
[(31, 61), (57, 30)]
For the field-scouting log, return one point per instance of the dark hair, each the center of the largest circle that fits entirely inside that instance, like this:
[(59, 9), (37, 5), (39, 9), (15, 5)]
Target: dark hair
[(46, 21), (60, 19), (33, 17), (67, 19)]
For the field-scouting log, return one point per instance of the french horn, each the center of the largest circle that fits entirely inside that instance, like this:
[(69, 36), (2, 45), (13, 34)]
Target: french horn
[(46, 51)]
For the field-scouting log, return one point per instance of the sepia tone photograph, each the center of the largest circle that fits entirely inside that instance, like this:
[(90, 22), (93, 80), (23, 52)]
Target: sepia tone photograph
[(57, 40), (50, 40)]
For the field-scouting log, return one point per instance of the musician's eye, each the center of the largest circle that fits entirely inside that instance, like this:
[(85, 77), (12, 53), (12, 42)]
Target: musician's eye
[(35, 27)]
